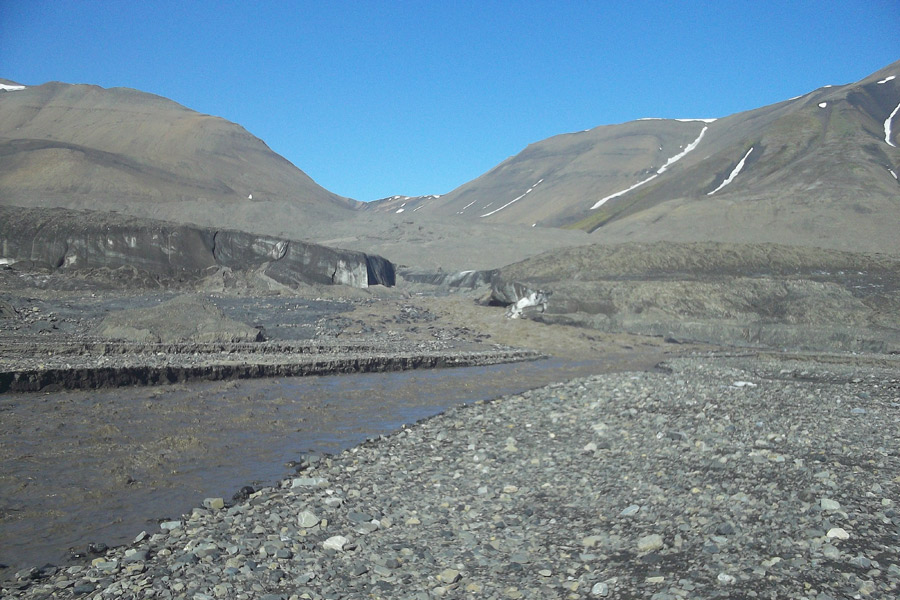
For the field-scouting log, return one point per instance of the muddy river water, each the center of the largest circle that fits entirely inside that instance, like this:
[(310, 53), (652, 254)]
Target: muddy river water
[(100, 466)]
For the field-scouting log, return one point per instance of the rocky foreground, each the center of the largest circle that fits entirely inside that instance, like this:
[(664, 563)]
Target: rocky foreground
[(717, 477)]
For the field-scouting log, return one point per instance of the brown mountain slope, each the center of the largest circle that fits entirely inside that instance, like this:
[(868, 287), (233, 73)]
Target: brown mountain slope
[(815, 170), (85, 147), (82, 146)]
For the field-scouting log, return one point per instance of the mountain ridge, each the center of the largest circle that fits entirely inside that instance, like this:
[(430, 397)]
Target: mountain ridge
[(83, 146), (817, 170), (831, 149)]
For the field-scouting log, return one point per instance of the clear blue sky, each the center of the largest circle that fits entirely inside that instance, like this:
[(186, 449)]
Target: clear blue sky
[(373, 99)]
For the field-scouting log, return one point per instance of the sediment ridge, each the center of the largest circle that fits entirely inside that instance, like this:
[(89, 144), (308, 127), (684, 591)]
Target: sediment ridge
[(151, 366)]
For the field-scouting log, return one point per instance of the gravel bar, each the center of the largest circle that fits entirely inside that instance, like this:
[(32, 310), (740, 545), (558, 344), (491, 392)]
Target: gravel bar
[(714, 477)]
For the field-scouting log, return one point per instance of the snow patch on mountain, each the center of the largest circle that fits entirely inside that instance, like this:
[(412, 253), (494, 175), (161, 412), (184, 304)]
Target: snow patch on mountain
[(659, 172), (891, 171), (734, 173), (11, 88), (681, 120), (514, 200), (823, 104), (603, 201), (887, 127), (886, 79), (466, 206), (682, 154)]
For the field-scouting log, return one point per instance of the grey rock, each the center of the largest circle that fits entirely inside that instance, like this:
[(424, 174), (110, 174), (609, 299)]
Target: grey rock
[(449, 576), (302, 482), (132, 555), (829, 504), (307, 519), (649, 543), (336, 542)]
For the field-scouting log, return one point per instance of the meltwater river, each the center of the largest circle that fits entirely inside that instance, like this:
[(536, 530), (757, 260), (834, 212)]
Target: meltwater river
[(101, 466)]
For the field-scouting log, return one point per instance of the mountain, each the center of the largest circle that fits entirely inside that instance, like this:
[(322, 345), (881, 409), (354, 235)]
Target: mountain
[(819, 170), (82, 146), (120, 150)]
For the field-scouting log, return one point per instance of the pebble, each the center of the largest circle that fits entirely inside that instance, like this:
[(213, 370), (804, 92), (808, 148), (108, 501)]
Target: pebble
[(214, 503), (303, 482), (649, 543), (829, 504), (449, 576), (600, 590), (335, 542), (307, 519)]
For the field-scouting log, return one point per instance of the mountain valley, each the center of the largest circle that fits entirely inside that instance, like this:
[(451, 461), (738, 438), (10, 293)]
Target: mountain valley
[(146, 246)]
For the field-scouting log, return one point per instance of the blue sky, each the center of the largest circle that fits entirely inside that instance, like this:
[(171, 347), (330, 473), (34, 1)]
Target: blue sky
[(373, 99)]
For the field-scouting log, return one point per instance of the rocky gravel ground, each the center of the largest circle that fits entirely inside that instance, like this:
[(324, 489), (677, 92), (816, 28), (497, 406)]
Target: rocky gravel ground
[(52, 343), (715, 477)]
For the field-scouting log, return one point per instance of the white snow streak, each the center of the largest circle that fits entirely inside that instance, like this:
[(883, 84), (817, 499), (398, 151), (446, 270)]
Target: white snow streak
[(623, 192), (886, 79), (891, 171), (681, 154), (11, 88), (528, 191), (823, 104), (887, 127), (418, 207), (659, 172), (734, 173), (466, 206), (682, 120), (399, 210)]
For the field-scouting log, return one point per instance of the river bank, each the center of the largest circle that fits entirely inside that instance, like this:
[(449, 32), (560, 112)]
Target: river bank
[(88, 467), (731, 476)]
